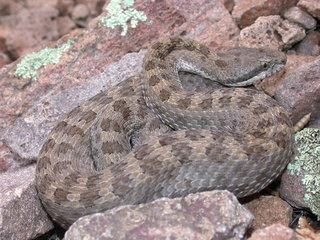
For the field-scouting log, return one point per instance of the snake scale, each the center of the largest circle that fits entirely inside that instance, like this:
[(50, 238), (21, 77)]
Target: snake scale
[(148, 137)]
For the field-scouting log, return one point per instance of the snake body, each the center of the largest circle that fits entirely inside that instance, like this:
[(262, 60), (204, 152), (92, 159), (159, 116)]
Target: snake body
[(148, 137)]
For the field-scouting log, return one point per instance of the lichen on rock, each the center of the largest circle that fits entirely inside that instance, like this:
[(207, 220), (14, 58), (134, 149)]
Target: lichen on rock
[(120, 12), (307, 165), (31, 63)]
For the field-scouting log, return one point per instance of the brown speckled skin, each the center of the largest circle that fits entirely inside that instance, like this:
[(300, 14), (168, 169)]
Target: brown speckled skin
[(228, 138)]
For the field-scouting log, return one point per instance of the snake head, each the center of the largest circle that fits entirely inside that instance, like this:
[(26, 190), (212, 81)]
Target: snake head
[(246, 66)]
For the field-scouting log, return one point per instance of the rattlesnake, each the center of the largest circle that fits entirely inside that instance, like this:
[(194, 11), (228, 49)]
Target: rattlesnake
[(113, 150)]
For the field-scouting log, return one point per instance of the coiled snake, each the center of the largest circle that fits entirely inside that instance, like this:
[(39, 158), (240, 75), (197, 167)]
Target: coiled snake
[(114, 150)]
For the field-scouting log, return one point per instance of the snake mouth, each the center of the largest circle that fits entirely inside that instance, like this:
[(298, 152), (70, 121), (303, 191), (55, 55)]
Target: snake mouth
[(260, 76)]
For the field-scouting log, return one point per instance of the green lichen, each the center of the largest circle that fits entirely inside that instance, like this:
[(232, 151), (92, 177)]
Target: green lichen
[(31, 63), (307, 163), (120, 13)]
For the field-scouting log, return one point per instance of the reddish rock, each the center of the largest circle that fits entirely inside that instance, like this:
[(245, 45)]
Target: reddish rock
[(274, 232), (65, 6), (306, 230), (28, 28), (4, 59), (65, 25), (6, 158), (297, 15), (245, 12), (229, 4), (269, 210), (3, 47), (311, 6), (271, 84), (10, 7), (40, 3), (21, 213), (271, 31), (80, 11), (310, 45), (299, 91), (210, 23), (292, 190), (207, 215), (80, 14), (95, 6)]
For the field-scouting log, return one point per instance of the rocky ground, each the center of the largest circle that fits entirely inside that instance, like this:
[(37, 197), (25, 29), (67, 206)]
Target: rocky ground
[(26, 24), (38, 89)]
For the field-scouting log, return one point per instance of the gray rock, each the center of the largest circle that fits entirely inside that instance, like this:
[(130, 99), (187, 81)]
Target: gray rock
[(29, 132), (290, 33), (311, 6), (310, 45), (297, 15), (273, 32), (207, 215), (21, 213)]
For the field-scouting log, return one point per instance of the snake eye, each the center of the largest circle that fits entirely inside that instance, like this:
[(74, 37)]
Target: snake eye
[(264, 65)]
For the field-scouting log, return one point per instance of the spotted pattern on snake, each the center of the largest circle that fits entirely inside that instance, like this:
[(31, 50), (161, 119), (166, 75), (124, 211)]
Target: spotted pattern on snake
[(148, 137)]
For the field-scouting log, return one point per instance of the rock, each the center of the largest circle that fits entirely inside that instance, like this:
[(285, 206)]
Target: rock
[(3, 47), (41, 3), (315, 123), (229, 4), (290, 33), (90, 54), (271, 31), (271, 84), (274, 232), (65, 6), (299, 91), (21, 213), (310, 45), (9, 7), (95, 7), (4, 59), (210, 24), (300, 17), (207, 215), (29, 132), (306, 230), (300, 185), (245, 12), (268, 210), (311, 6), (80, 11), (6, 158), (80, 14), (292, 190), (65, 25), (28, 28)]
